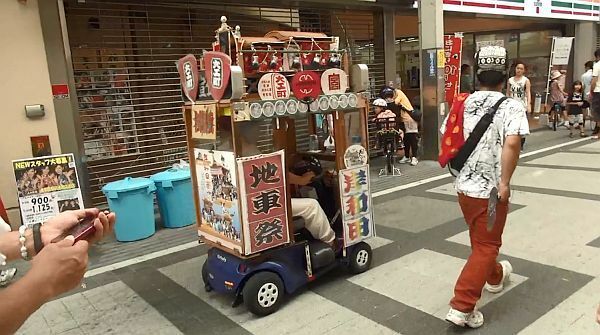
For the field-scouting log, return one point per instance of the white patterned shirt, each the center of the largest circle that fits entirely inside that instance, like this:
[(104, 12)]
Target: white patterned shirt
[(482, 170)]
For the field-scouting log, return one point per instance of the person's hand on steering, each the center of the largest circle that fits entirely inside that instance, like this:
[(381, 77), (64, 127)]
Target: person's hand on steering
[(306, 178)]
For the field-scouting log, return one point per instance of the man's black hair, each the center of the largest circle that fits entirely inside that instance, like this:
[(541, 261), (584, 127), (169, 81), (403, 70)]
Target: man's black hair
[(589, 64), (464, 67), (491, 79), (597, 53)]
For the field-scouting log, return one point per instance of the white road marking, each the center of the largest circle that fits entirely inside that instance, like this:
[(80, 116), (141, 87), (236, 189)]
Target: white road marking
[(185, 246)]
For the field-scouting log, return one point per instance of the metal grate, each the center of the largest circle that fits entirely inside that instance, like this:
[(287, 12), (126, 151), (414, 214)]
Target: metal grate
[(124, 55)]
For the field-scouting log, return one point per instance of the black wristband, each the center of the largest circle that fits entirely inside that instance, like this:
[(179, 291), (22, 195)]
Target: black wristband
[(37, 238)]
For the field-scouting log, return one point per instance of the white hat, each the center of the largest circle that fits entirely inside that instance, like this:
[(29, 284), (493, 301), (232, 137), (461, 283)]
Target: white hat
[(555, 74), (380, 103), (491, 58)]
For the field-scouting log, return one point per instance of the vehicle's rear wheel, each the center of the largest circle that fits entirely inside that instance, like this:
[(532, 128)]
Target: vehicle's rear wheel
[(263, 293), (360, 258)]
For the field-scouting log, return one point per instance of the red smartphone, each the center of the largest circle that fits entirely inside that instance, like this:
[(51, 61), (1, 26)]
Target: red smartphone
[(81, 231)]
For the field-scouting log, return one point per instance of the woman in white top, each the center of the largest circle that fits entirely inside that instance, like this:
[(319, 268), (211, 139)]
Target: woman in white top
[(519, 88)]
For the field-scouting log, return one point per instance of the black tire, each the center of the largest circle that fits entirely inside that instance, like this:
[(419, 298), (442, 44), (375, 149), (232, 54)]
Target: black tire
[(207, 286), (263, 293), (360, 258), (554, 121)]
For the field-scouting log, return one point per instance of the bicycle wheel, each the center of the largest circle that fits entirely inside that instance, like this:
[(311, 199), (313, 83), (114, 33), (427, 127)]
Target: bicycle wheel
[(554, 120)]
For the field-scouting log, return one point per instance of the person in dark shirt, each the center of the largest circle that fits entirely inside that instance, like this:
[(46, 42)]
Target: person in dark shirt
[(576, 104)]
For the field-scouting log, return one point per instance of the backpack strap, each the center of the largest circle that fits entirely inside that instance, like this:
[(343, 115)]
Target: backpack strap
[(458, 162)]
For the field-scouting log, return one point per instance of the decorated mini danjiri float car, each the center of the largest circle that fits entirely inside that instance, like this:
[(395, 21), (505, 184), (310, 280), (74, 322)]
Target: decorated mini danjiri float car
[(277, 138)]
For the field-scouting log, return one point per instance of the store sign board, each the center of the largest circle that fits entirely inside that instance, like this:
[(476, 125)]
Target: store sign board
[(306, 85), (580, 10), (452, 53), (47, 186), (217, 66), (188, 75), (273, 86), (562, 50)]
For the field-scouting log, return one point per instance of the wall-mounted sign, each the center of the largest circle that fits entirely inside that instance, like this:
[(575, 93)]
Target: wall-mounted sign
[(204, 121), (40, 146), (217, 66), (273, 86), (453, 55), (60, 91)]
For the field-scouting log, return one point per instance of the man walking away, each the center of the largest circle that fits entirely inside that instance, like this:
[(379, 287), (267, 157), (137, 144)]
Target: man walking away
[(595, 93), (486, 173), (586, 79)]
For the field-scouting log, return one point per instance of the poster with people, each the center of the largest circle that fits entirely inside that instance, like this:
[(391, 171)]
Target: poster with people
[(47, 186), (264, 204), (218, 197), (357, 211)]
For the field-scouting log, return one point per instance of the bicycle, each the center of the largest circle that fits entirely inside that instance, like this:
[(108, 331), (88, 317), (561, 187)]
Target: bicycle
[(555, 112), (390, 141)]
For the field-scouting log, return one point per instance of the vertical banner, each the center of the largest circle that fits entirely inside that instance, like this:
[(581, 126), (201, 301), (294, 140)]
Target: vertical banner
[(561, 51), (264, 205), (47, 186), (452, 52), (356, 203), (218, 197)]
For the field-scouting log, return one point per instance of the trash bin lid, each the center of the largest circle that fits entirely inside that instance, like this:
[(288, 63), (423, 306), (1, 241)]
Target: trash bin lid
[(128, 184), (173, 174)]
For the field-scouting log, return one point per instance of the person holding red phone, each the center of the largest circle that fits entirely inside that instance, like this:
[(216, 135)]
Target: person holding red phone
[(56, 268)]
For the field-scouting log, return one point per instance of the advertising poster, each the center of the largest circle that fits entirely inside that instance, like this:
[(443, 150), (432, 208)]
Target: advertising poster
[(452, 53), (561, 50), (356, 203), (218, 196), (264, 203), (47, 186)]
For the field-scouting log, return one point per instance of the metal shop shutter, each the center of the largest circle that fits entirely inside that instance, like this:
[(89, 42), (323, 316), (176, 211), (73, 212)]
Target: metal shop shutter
[(128, 90)]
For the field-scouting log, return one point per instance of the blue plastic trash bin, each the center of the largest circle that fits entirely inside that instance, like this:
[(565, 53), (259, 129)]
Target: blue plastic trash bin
[(132, 200), (175, 198)]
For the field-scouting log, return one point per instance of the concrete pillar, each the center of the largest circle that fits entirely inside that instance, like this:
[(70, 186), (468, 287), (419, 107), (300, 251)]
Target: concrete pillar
[(431, 37), (60, 68), (389, 39), (585, 44)]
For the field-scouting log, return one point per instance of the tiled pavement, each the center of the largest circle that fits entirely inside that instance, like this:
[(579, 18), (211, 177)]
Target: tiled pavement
[(552, 239)]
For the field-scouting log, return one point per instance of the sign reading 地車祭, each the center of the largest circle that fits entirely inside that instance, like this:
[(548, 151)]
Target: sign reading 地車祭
[(47, 186), (452, 52), (357, 206), (264, 201)]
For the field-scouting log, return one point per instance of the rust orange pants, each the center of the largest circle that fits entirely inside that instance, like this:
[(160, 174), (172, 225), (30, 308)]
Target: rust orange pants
[(481, 266)]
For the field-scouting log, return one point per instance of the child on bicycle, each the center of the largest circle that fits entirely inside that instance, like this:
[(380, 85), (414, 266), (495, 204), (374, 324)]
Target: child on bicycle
[(385, 120), (557, 95), (576, 104)]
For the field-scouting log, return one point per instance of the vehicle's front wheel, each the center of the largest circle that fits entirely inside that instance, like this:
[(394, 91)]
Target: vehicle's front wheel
[(360, 258), (263, 293), (207, 286)]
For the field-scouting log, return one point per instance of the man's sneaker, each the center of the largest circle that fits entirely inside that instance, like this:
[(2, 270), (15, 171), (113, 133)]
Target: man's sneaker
[(506, 271), (414, 161), (471, 320), (404, 160), (6, 276)]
